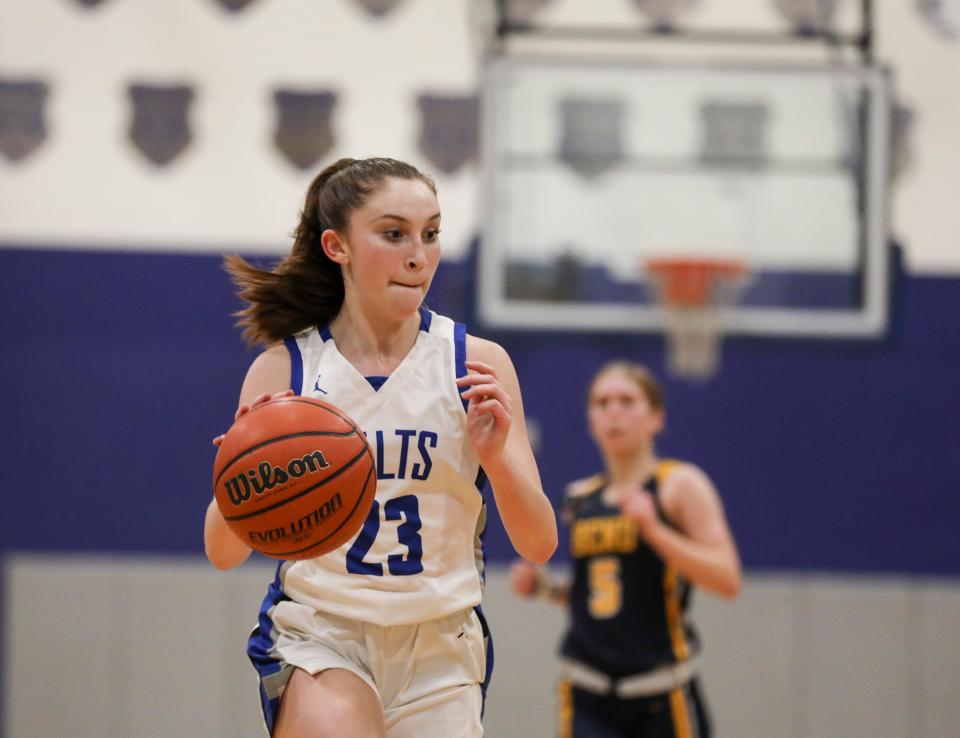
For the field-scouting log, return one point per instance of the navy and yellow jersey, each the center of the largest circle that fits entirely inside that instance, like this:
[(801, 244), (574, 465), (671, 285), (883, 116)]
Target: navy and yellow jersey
[(627, 607)]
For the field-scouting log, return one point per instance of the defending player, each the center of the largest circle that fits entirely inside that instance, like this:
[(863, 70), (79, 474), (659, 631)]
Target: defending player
[(642, 533)]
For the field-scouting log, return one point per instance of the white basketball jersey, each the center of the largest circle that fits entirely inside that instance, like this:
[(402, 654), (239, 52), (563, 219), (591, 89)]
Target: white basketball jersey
[(418, 555)]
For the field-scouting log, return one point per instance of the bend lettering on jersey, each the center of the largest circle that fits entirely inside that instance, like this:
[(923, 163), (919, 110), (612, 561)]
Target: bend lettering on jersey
[(611, 534), (413, 460)]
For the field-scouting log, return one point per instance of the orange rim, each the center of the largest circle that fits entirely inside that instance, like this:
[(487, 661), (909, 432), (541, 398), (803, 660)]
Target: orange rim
[(688, 282)]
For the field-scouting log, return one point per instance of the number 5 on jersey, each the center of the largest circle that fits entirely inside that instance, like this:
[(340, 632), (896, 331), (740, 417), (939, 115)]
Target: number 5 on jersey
[(405, 508), (606, 590)]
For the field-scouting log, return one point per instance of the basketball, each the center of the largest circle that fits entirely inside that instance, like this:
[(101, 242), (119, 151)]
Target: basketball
[(294, 478)]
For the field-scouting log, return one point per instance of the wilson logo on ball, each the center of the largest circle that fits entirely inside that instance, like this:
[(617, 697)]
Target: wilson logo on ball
[(266, 476)]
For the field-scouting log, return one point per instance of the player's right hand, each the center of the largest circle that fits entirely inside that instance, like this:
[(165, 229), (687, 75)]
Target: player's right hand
[(244, 409), (525, 578)]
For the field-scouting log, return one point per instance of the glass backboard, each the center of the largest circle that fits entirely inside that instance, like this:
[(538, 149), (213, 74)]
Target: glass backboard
[(595, 166)]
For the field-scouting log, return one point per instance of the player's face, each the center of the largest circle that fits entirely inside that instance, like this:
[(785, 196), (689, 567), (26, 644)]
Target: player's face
[(393, 244), (621, 418)]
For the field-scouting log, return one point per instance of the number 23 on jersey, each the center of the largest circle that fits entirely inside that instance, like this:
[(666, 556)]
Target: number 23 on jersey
[(405, 508)]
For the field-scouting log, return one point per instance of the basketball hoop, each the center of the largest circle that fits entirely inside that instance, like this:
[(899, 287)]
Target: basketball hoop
[(694, 294)]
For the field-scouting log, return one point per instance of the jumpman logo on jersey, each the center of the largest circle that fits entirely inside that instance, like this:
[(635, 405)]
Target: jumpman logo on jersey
[(317, 387)]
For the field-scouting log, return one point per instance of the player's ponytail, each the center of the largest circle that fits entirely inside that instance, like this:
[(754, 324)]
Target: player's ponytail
[(306, 288)]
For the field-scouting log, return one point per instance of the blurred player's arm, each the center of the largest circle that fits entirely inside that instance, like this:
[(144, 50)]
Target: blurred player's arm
[(268, 376), (701, 548)]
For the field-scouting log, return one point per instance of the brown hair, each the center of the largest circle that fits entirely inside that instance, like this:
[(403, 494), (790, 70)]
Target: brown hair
[(642, 376), (306, 287)]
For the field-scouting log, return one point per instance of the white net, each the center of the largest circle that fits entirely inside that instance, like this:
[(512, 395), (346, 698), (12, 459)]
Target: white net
[(694, 294)]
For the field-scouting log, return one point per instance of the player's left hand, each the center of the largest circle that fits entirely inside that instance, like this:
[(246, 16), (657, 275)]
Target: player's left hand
[(638, 505), (489, 410)]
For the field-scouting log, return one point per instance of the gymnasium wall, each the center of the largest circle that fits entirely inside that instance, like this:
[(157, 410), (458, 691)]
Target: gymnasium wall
[(835, 461)]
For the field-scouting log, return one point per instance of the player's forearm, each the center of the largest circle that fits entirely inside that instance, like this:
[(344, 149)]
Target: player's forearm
[(526, 512), (713, 567), (223, 548)]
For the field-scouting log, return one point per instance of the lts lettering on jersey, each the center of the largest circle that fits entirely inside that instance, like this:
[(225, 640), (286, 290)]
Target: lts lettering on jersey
[(414, 460)]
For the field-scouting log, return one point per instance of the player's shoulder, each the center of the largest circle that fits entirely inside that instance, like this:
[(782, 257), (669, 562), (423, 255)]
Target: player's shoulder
[(580, 488), (485, 350), (492, 353), (274, 355), (676, 472), (269, 372), (577, 495), (683, 483)]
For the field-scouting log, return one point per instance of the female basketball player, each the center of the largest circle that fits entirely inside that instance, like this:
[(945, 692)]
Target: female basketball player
[(384, 637), (641, 533)]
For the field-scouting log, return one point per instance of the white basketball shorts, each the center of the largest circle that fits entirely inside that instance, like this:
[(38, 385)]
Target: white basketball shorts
[(431, 677)]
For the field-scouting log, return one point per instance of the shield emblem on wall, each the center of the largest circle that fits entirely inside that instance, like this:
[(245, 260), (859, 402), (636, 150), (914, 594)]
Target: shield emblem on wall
[(160, 129), (378, 8), (522, 11), (234, 6), (303, 131), (449, 130), (591, 138), (807, 17), (901, 130), (943, 15), (22, 124), (664, 14), (734, 133)]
